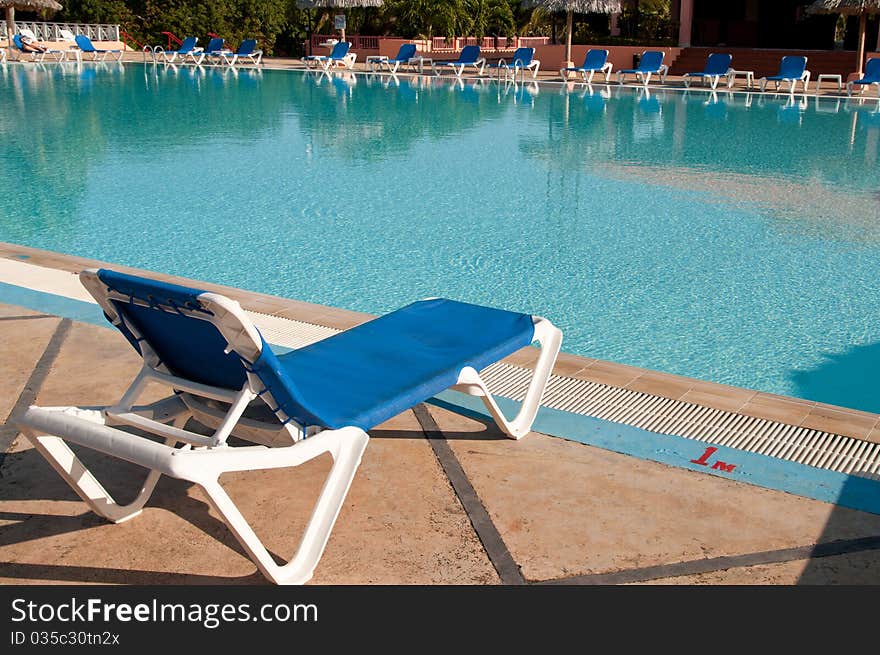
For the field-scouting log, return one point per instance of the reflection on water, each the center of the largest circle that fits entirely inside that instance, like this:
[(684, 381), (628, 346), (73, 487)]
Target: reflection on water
[(726, 236)]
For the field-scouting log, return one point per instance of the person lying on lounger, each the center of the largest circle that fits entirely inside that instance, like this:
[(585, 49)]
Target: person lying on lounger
[(29, 45)]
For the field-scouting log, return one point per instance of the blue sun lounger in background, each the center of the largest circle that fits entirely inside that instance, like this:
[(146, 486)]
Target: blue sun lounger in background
[(871, 76), (523, 59), (288, 409), (339, 54), (59, 55), (85, 44), (247, 51), (792, 69), (406, 52), (186, 46), (595, 61), (216, 46), (469, 56), (717, 66), (651, 63)]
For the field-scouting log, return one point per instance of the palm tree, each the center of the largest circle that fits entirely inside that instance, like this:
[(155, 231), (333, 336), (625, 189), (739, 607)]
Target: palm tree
[(860, 8), (572, 7)]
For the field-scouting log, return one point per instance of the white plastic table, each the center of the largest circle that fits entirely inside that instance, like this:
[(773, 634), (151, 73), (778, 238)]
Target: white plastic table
[(373, 61), (732, 74), (830, 76), (420, 62)]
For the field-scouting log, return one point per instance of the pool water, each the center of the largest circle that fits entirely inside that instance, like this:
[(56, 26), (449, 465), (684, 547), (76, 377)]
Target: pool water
[(729, 237)]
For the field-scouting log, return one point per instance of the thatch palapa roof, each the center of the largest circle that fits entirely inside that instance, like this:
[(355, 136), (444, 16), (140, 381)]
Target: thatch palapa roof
[(578, 6), (849, 7), (337, 4), (31, 5)]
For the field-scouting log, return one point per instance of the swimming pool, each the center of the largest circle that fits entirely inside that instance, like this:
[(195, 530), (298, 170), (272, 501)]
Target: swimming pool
[(732, 238)]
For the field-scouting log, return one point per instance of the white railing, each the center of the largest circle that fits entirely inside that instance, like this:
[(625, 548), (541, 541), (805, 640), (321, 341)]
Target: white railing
[(52, 31)]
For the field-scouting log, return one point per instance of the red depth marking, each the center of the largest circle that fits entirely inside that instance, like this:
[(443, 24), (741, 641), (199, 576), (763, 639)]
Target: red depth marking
[(718, 465)]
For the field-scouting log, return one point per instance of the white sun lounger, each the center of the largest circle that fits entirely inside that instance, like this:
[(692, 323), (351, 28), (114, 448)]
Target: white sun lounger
[(322, 398)]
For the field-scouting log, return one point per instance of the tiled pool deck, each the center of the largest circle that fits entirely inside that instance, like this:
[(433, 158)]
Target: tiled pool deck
[(439, 498)]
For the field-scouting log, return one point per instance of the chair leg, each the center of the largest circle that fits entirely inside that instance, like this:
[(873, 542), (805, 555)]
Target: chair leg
[(470, 382), (346, 446), (83, 482), (204, 467)]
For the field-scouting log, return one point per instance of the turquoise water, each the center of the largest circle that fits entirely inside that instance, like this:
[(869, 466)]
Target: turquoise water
[(732, 238)]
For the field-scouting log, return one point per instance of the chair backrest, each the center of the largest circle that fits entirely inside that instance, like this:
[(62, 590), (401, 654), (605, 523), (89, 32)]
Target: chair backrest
[(718, 63), (188, 44), (247, 47), (407, 51), (524, 56), (16, 40), (469, 54), (340, 50), (872, 68), (214, 45), (67, 35), (28, 33), (84, 43), (792, 66), (595, 58), (201, 337), (651, 60)]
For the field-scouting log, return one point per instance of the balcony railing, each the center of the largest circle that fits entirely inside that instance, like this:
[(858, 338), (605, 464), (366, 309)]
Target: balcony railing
[(487, 43), (357, 42), (52, 31)]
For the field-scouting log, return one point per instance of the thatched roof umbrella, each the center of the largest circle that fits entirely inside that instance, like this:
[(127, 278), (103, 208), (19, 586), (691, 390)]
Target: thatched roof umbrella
[(576, 7), (860, 8), (336, 4), (26, 5)]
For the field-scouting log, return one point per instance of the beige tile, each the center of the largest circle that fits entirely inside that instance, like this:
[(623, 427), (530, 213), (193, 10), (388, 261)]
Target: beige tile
[(789, 413), (609, 373), (660, 384), (844, 423), (728, 401)]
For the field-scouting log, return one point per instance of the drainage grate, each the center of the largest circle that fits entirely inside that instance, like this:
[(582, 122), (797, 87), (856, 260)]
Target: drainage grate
[(824, 450)]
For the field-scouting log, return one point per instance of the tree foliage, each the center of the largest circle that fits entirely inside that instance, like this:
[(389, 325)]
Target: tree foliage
[(281, 27)]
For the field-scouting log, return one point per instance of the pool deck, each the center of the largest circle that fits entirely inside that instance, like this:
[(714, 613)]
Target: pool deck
[(440, 498)]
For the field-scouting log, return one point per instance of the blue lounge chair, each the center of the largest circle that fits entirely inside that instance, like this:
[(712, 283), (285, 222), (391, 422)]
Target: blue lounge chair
[(469, 56), (215, 48), (523, 60), (339, 55), (186, 47), (595, 61), (651, 63), (792, 69), (247, 51), (871, 76), (406, 52), (85, 44), (59, 55), (717, 66), (321, 398)]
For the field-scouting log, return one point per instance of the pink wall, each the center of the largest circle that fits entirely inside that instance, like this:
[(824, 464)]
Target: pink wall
[(551, 56)]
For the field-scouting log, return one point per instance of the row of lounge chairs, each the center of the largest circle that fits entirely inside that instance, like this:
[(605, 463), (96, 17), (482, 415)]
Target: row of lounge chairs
[(82, 47), (215, 53), (792, 69)]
